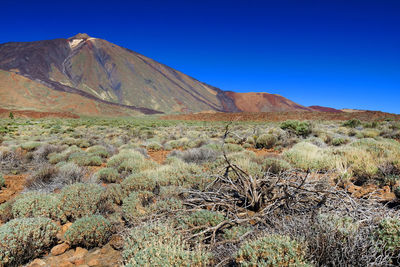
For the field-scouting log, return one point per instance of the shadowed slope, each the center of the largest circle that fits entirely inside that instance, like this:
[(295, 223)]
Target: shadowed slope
[(20, 93)]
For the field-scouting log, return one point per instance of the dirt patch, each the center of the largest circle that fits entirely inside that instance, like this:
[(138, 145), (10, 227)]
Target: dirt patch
[(158, 156), (283, 116), (370, 191), (14, 185), (94, 169), (264, 152)]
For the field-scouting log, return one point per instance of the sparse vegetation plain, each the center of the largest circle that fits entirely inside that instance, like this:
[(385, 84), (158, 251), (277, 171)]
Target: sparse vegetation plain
[(201, 193)]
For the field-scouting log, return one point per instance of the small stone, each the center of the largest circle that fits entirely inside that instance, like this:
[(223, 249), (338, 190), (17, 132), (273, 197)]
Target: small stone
[(37, 263), (80, 252), (65, 227), (97, 251), (93, 262), (59, 249), (66, 264), (80, 261)]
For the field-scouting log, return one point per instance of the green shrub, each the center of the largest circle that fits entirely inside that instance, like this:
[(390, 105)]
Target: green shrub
[(6, 212), (299, 128), (276, 165), (370, 133), (89, 231), (100, 151), (160, 245), (271, 250), (173, 144), (30, 146), (2, 181), (230, 140), (353, 123), (55, 157), (25, 239), (141, 181), (78, 200), (154, 146), (364, 157), (136, 165), (85, 159), (108, 175), (389, 234), (124, 155), (250, 140), (201, 219), (232, 148), (115, 193), (135, 205), (176, 172), (36, 204), (236, 232), (169, 204), (266, 141), (339, 141), (373, 124), (308, 156)]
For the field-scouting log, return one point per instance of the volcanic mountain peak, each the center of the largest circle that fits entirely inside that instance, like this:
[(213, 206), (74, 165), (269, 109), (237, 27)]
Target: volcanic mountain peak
[(104, 72), (80, 36)]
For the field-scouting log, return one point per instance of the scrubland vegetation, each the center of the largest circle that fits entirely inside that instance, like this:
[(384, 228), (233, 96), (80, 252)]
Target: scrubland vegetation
[(313, 193)]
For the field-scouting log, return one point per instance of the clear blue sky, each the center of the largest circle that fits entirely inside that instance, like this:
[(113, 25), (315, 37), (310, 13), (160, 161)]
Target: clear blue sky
[(342, 54)]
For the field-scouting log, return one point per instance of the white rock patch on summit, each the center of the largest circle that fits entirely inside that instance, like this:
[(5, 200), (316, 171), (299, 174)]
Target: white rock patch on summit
[(75, 42)]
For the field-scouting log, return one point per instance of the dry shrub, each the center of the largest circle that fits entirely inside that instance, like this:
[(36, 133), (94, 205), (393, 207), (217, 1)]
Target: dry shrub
[(49, 177), (40, 155), (41, 178), (195, 155)]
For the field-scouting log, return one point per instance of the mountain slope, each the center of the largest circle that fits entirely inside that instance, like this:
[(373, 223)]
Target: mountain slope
[(103, 72), (20, 93)]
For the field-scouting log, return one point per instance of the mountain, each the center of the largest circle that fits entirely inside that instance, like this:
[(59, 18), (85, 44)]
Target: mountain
[(263, 102), (91, 76)]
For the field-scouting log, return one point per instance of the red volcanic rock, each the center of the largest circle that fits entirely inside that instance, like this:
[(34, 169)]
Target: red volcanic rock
[(263, 102), (59, 249), (324, 109)]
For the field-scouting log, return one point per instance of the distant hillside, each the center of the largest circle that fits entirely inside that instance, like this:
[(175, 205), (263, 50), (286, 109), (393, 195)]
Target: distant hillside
[(324, 109)]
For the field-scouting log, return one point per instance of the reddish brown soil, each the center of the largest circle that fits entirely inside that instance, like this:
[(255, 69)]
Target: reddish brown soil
[(158, 156), (14, 185), (4, 113), (263, 152), (282, 116)]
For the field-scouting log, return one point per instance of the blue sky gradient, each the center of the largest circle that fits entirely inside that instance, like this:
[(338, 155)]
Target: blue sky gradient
[(335, 53)]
